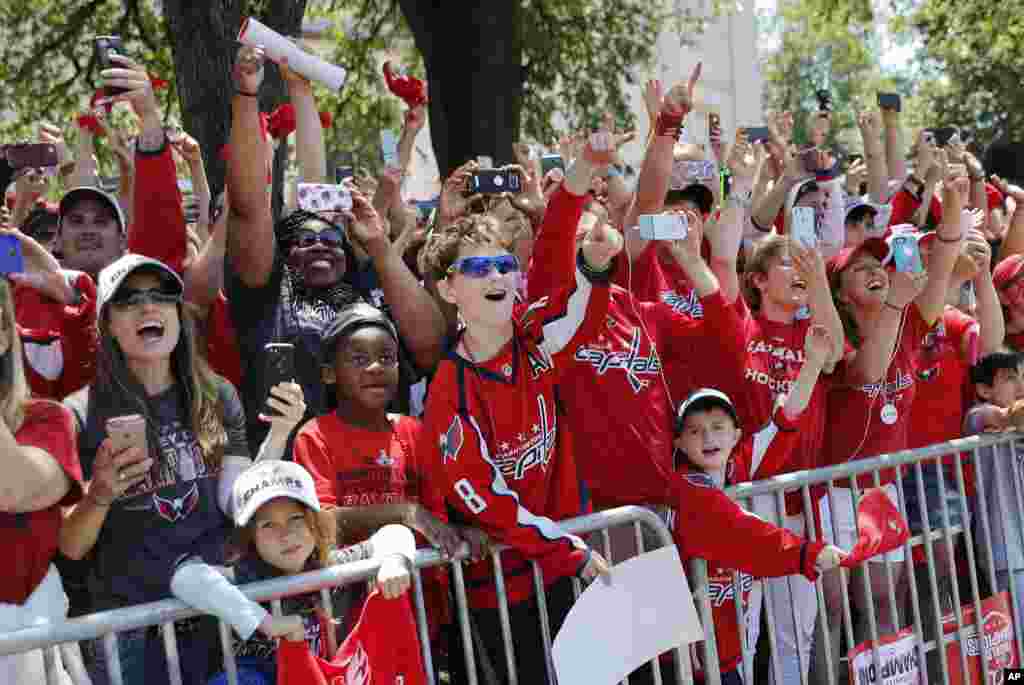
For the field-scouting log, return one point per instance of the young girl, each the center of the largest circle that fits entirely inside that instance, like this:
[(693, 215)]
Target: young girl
[(275, 508)]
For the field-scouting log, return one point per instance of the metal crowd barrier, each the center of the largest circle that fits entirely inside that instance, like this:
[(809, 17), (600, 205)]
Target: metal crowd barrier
[(105, 625), (930, 637)]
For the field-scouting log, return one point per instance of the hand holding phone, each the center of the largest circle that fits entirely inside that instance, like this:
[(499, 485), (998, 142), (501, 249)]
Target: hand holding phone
[(128, 431), (494, 181), (906, 254), (757, 134), (805, 227), (103, 48), (31, 155), (280, 368), (549, 162), (890, 101), (663, 226), (322, 197)]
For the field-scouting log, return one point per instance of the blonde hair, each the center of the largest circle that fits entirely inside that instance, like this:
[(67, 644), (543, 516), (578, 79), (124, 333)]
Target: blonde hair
[(758, 263), (14, 390)]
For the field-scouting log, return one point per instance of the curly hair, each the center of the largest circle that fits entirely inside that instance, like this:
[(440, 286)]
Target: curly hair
[(443, 246)]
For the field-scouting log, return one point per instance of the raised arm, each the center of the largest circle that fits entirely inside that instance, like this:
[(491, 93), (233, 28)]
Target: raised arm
[(875, 353), (250, 232), (992, 326), (811, 266), (950, 234), (870, 124), (727, 233), (309, 134), (895, 156), (1013, 242), (818, 346), (419, 320)]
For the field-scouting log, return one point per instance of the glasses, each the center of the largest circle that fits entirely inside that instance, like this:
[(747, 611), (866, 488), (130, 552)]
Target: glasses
[(361, 360), (480, 267), (329, 237), (133, 297)]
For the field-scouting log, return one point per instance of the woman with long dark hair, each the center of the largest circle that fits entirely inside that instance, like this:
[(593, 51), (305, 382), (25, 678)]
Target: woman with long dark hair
[(161, 438)]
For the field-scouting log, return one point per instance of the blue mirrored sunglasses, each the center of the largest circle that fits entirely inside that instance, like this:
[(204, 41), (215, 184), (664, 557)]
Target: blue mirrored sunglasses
[(479, 267)]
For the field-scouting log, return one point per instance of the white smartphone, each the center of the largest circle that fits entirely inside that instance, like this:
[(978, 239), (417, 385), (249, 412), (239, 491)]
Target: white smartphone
[(804, 227), (664, 226), (485, 162), (389, 148), (882, 218)]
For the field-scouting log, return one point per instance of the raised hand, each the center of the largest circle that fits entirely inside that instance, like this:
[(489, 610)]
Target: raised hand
[(289, 404), (453, 202), (600, 245), (365, 224), (742, 160), (680, 97), (393, 578), (818, 345), (904, 287), (138, 87), (687, 251), (654, 95), (188, 148), (870, 125)]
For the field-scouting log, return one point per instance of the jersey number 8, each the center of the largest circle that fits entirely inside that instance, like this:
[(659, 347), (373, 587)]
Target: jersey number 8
[(473, 501)]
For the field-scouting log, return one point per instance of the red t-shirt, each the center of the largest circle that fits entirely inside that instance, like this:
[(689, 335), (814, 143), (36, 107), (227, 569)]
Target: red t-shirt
[(355, 467), (1015, 341), (655, 276), (30, 539), (854, 413)]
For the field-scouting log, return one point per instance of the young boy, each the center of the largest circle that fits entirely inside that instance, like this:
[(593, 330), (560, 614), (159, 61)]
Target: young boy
[(999, 385), (709, 442), (496, 451)]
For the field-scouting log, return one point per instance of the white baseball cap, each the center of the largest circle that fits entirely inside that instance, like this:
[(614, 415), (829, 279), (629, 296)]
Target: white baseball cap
[(267, 480), (113, 275)]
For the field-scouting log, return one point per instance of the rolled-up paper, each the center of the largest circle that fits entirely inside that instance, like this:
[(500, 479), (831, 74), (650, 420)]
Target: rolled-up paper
[(254, 34)]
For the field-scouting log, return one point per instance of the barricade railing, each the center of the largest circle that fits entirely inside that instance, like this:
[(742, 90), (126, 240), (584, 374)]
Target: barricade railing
[(931, 637), (107, 624)]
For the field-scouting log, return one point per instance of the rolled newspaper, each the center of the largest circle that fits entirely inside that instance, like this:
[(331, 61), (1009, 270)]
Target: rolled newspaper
[(254, 34)]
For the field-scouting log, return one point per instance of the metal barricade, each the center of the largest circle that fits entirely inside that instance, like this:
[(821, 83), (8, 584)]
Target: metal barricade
[(106, 625), (987, 457)]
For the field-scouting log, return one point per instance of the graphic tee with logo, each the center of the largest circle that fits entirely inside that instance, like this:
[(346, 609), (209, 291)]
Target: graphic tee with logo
[(170, 516)]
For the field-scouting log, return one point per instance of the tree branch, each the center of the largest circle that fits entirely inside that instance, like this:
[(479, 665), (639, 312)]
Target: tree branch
[(74, 27)]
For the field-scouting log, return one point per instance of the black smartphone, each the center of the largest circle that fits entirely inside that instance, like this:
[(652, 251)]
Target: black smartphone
[(853, 159), (890, 101), (342, 172), (757, 134), (103, 48), (31, 155), (493, 181), (944, 134), (280, 368), (824, 100)]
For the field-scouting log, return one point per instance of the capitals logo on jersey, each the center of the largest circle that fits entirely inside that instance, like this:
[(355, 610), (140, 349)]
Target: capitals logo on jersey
[(357, 669), (532, 450), (179, 508), (684, 304), (628, 361), (452, 441)]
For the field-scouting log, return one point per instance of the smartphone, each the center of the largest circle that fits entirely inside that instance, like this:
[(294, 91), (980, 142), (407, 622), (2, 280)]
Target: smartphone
[(944, 134), (701, 170), (824, 100), (322, 197), (492, 181), (343, 172), (128, 431), (906, 254), (31, 155), (853, 159), (485, 162), (804, 228), (103, 48), (389, 148), (890, 101), (280, 368), (757, 134), (968, 298), (12, 260), (714, 124), (549, 162), (664, 226)]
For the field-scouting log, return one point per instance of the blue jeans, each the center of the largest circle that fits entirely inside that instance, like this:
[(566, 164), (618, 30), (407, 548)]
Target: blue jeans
[(143, 660), (251, 671)]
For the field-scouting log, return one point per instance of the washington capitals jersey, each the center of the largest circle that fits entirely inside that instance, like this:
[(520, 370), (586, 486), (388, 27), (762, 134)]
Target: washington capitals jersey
[(497, 448)]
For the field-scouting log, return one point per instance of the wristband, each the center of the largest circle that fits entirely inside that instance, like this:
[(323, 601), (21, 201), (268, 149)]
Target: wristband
[(948, 240), (239, 91)]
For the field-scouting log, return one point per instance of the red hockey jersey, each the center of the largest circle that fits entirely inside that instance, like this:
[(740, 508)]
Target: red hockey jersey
[(496, 450)]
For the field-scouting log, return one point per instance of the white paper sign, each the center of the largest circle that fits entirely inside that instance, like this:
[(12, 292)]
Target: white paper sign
[(276, 46), (616, 627), (898, 656)]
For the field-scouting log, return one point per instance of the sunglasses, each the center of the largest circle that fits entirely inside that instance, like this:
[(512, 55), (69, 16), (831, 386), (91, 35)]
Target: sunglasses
[(480, 267), (134, 297), (329, 237)]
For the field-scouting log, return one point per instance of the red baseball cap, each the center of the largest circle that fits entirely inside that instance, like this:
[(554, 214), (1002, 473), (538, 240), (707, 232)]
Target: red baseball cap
[(876, 247), (1007, 270)]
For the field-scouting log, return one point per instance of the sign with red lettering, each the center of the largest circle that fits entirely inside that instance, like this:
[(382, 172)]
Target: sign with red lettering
[(998, 642)]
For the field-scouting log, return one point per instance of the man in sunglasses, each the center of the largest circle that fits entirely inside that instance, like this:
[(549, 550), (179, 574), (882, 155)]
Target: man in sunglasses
[(287, 282)]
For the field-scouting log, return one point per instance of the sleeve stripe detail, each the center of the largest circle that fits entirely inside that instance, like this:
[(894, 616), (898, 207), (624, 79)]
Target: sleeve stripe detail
[(547, 528), (560, 330), (762, 442)]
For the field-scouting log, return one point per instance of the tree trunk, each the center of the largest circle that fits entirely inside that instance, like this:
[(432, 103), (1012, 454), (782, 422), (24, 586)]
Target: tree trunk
[(202, 38), (475, 81)]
